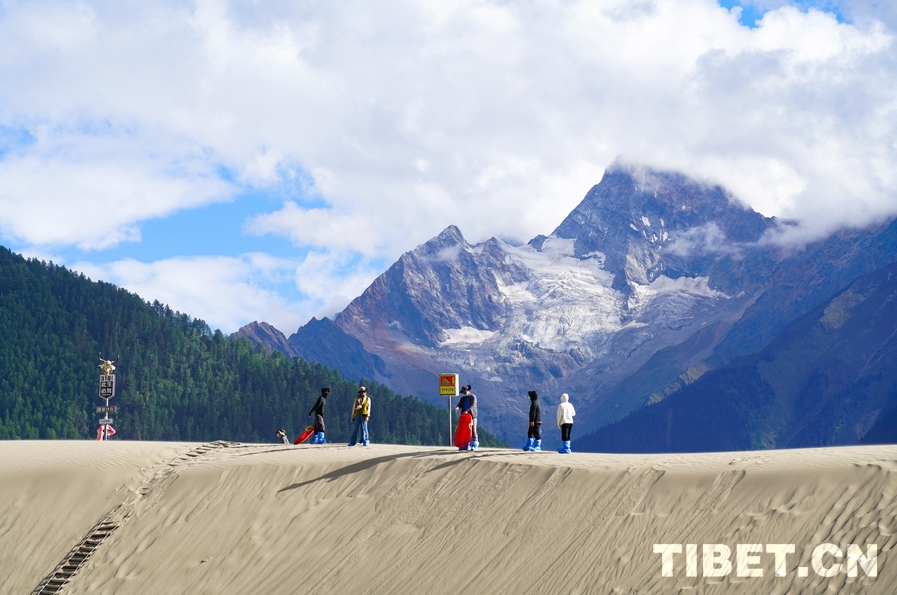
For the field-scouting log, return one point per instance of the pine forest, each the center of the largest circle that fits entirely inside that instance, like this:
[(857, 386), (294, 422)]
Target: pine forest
[(176, 380)]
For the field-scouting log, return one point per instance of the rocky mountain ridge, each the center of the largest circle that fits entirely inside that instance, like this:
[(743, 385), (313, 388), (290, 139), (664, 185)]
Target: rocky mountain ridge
[(652, 271)]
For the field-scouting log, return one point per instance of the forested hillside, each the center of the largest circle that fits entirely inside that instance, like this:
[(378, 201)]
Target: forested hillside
[(177, 380)]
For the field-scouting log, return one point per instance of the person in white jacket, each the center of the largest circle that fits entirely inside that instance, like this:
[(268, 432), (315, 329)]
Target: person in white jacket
[(565, 422)]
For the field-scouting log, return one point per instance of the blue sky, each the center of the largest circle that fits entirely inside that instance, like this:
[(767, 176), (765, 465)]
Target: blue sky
[(751, 12), (249, 162)]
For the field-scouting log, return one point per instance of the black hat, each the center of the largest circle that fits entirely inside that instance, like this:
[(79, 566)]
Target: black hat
[(325, 390)]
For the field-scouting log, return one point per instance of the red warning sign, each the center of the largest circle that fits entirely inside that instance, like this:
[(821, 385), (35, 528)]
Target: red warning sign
[(448, 385)]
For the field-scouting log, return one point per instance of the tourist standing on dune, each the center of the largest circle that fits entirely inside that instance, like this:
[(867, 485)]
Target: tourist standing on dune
[(361, 413), (468, 404), (534, 432), (565, 422), (318, 411)]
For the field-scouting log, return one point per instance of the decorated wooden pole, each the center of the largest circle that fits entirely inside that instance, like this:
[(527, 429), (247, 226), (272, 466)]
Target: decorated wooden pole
[(107, 391), (448, 387)]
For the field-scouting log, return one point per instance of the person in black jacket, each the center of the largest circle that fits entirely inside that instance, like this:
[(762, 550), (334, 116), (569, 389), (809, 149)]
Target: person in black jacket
[(318, 410), (534, 432)]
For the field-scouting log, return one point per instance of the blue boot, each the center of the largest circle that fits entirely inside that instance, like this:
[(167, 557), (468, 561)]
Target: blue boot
[(474, 445), (565, 447), (320, 437), (465, 447), (366, 442), (529, 444), (537, 446)]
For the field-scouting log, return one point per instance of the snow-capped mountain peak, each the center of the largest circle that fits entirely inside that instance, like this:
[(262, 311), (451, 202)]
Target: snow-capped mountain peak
[(624, 275), (650, 275)]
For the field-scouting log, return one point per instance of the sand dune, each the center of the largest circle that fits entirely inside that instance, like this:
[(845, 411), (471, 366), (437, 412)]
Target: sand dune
[(272, 519)]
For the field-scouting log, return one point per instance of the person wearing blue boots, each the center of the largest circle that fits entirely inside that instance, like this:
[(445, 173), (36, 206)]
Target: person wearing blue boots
[(534, 432), (361, 413), (318, 411), (565, 422), (468, 404)]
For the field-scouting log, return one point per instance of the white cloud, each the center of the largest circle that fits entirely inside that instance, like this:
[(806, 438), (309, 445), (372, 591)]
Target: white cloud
[(409, 116), (332, 282), (447, 254), (91, 188), (706, 239), (229, 292), (225, 292), (265, 169), (316, 227), (852, 10)]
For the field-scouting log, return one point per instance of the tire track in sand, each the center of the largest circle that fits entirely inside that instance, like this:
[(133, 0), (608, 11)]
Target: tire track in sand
[(142, 499)]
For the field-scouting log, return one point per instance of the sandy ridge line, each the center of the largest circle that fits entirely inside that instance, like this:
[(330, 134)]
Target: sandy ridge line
[(155, 486)]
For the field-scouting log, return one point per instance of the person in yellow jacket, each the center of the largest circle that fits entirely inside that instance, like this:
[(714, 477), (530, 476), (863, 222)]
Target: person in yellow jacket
[(361, 413)]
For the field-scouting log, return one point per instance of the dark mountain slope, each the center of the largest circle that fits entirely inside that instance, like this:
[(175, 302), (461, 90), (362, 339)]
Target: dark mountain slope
[(803, 280), (823, 381), (884, 431), (809, 277), (323, 341), (262, 333)]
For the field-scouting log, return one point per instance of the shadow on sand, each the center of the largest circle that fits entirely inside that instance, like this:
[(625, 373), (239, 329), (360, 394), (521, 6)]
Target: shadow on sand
[(457, 456)]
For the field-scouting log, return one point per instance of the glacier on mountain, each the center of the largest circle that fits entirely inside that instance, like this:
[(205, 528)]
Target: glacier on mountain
[(555, 302), (466, 335)]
